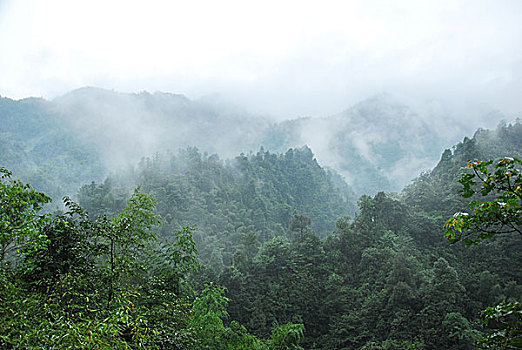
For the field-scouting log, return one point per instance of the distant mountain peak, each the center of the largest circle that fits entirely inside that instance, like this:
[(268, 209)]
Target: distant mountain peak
[(170, 95), (376, 110), (89, 92)]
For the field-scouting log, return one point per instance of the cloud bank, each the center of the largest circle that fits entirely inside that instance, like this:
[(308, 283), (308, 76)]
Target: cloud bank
[(292, 58)]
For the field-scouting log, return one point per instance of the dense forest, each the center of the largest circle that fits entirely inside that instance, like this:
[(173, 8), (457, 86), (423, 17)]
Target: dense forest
[(263, 250), (379, 144)]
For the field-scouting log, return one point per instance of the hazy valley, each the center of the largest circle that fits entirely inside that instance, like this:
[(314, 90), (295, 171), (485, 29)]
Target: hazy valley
[(379, 144)]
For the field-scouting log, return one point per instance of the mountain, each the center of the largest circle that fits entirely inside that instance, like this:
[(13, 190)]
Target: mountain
[(271, 227), (379, 144), (37, 146), (126, 127), (441, 182), (388, 278), (252, 197)]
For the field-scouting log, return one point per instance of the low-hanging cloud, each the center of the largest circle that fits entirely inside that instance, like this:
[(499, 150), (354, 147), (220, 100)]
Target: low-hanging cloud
[(286, 59)]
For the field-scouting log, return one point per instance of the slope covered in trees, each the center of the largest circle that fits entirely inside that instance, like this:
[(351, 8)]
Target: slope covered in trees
[(388, 279), (235, 205), (78, 283), (379, 144), (38, 147), (274, 230)]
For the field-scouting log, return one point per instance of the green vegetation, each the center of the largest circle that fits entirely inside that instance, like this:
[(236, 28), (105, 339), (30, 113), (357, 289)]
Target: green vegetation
[(502, 214), (38, 147), (235, 205), (267, 251), (79, 283)]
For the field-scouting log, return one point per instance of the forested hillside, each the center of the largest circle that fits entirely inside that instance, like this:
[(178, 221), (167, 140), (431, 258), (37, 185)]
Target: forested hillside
[(126, 127), (263, 250), (386, 279), (236, 205), (268, 175), (38, 147), (379, 144)]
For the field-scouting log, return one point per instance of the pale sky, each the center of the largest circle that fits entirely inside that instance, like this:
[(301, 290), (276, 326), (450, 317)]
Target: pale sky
[(286, 58)]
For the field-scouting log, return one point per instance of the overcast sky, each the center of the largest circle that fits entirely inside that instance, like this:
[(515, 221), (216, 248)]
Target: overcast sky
[(281, 57)]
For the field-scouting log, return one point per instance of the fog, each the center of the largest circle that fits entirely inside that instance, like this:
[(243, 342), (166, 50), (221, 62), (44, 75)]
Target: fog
[(378, 144), (376, 89), (290, 59)]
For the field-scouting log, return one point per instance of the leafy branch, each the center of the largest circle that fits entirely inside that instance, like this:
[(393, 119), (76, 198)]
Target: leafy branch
[(500, 179)]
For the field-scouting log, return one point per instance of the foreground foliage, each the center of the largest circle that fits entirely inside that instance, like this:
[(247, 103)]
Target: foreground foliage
[(502, 211), (77, 283), (505, 319), (502, 214)]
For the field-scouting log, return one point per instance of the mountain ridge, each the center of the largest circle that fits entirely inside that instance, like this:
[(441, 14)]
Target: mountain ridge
[(377, 144)]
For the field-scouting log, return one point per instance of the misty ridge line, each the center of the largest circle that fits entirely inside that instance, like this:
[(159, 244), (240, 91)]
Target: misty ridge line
[(379, 144)]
